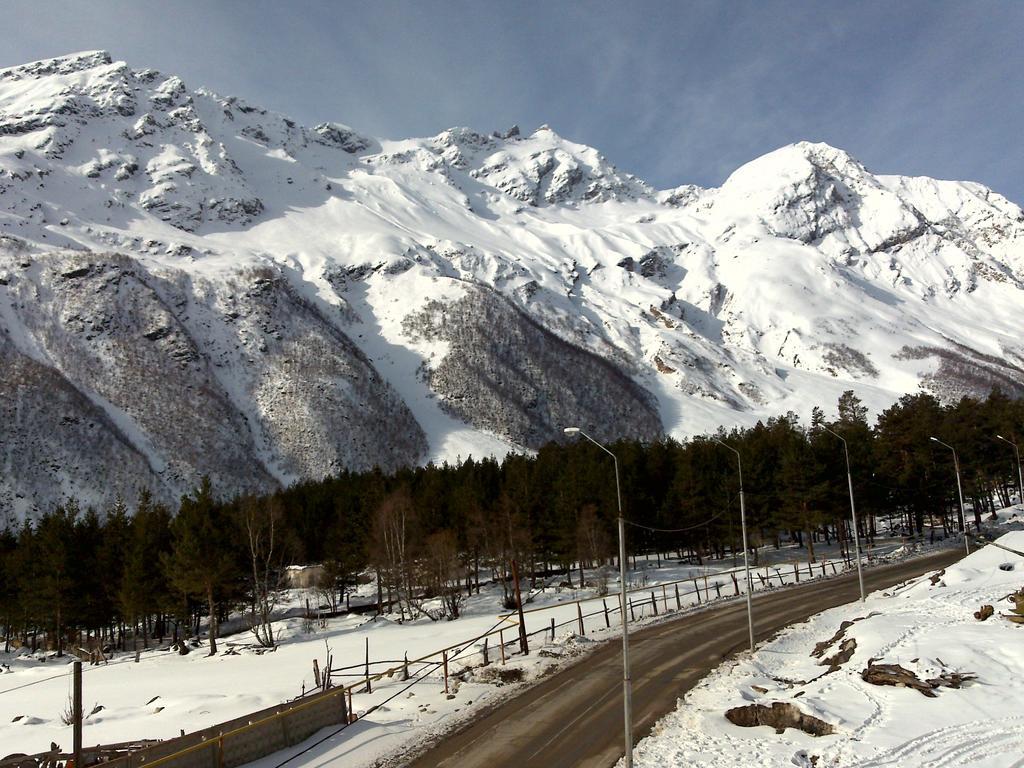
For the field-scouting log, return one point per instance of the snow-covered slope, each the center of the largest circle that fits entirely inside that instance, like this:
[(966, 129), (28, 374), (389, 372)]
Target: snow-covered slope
[(215, 288)]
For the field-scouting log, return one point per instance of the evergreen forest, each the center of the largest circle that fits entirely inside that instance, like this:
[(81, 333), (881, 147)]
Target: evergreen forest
[(140, 572)]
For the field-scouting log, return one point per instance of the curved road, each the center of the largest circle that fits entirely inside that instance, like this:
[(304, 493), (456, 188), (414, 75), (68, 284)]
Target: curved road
[(574, 718)]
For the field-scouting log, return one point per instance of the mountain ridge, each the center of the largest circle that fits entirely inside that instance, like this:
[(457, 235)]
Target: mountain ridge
[(313, 299)]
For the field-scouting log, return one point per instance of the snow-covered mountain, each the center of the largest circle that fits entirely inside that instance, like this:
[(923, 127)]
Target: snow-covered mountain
[(191, 284)]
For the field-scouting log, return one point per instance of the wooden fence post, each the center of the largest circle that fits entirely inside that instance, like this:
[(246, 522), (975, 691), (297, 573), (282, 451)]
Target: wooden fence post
[(810, 573), (351, 712), (796, 572), (718, 590), (579, 615), (444, 660), (834, 571), (405, 667), (607, 623), (369, 687), (822, 567), (524, 645), (735, 584), (316, 673), (552, 629), (486, 660), (696, 589), (707, 596), (501, 639), (654, 603), (679, 603)]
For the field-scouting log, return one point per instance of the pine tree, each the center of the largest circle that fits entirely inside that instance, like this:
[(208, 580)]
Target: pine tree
[(144, 589), (200, 562)]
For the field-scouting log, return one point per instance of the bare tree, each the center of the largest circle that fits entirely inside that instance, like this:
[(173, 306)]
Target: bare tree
[(443, 571), (260, 520), (593, 544), (391, 535)]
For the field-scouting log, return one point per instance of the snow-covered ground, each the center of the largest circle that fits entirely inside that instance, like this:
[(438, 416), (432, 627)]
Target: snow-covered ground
[(927, 628), (166, 693)]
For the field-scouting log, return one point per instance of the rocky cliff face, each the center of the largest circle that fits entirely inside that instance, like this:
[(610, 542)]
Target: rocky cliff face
[(505, 373), (163, 378), (191, 284)]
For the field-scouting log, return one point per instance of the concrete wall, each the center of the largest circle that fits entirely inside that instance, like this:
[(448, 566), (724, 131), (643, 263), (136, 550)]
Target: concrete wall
[(244, 739)]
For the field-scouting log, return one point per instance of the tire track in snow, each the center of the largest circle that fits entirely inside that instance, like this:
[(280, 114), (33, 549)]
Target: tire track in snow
[(959, 745)]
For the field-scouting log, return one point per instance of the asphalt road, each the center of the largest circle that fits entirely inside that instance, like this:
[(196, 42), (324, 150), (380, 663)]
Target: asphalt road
[(574, 718)]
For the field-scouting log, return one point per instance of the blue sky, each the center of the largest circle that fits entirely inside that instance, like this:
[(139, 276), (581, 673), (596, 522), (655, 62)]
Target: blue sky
[(676, 92)]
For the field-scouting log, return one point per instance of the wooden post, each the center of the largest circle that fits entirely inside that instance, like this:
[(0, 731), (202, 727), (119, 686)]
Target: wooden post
[(718, 589), (796, 572), (707, 596), (834, 571), (579, 615), (696, 590), (552, 629), (822, 567), (810, 572), (486, 660), (632, 616), (351, 712), (654, 603), (664, 598), (501, 639), (524, 646), (679, 603), (607, 623), (444, 659), (77, 704), (369, 688), (405, 667), (316, 673), (735, 583)]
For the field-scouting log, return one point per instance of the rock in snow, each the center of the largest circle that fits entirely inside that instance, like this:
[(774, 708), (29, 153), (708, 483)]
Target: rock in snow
[(192, 284)]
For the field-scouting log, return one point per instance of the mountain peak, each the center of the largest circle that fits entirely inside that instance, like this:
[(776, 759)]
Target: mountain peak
[(60, 65), (794, 163)]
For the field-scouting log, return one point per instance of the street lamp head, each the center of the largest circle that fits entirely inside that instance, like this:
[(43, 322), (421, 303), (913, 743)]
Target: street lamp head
[(934, 438), (571, 430)]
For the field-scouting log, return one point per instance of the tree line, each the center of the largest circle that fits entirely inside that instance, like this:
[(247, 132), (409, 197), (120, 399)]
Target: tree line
[(431, 535)]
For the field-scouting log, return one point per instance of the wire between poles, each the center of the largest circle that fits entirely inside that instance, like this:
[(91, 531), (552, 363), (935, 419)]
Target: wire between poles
[(676, 530)]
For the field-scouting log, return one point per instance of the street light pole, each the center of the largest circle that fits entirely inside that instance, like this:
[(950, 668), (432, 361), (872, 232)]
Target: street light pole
[(743, 526), (627, 686), (853, 510), (959, 490), (1020, 476)]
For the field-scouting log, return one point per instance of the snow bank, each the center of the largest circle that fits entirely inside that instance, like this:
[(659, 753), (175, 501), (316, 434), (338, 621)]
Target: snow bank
[(928, 628)]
